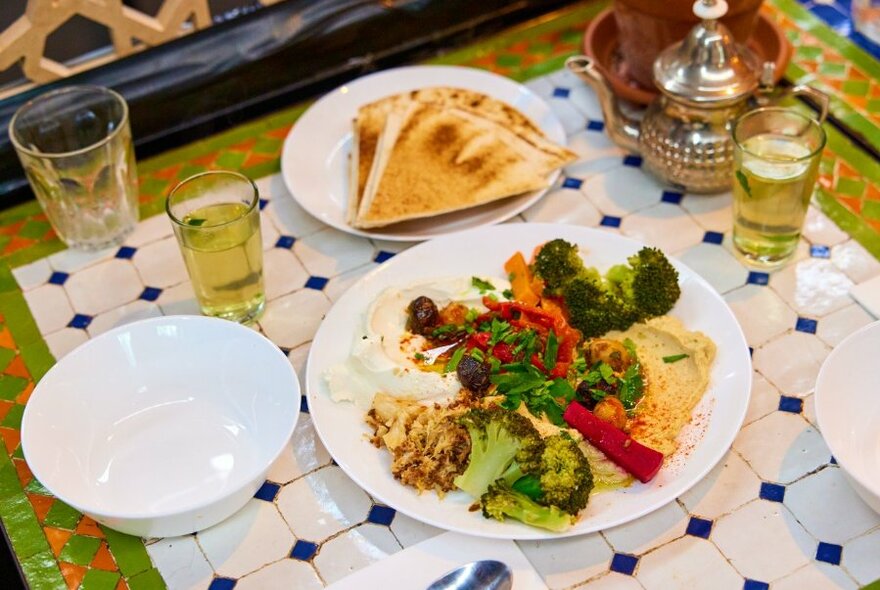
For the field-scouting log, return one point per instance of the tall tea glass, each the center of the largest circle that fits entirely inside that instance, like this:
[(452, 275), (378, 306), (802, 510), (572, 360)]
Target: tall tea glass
[(776, 163), (75, 146), (216, 218)]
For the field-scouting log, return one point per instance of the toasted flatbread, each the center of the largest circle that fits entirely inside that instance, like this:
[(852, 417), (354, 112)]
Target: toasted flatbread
[(431, 159), (371, 120)]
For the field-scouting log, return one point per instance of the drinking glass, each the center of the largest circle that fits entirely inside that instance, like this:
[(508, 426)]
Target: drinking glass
[(776, 161), (216, 218), (75, 146)]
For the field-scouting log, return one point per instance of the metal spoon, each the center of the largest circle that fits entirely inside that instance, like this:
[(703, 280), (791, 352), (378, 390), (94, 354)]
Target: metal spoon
[(477, 575)]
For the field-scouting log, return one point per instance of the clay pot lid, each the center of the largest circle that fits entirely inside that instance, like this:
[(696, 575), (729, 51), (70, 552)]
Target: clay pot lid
[(708, 66)]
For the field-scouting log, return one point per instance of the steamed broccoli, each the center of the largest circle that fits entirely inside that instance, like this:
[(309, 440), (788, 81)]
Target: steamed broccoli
[(565, 476), (501, 501), (646, 287), (503, 445), (650, 282)]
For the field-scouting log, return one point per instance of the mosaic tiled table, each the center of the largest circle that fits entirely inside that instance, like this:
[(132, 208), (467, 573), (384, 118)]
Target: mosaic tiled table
[(776, 511)]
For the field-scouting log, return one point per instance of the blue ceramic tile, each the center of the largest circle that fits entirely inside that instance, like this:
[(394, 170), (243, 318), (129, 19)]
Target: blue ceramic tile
[(713, 237), (572, 183), (126, 252), (758, 278), (671, 197), (561, 92), (285, 242), (303, 404), (267, 491), (58, 278), (263, 203), (593, 125), (635, 161), (80, 321), (699, 527), (382, 256), (795, 405), (610, 221), (316, 283), (833, 461), (829, 553), (820, 251), (150, 293), (806, 325), (381, 514), (834, 17), (751, 351), (304, 550), (623, 563), (755, 585), (222, 584), (772, 492)]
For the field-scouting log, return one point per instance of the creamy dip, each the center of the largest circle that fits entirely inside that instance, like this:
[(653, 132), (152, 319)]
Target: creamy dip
[(382, 353)]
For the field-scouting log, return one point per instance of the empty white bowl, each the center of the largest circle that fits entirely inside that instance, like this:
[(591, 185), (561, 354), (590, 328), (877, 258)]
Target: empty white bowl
[(848, 409), (164, 426)]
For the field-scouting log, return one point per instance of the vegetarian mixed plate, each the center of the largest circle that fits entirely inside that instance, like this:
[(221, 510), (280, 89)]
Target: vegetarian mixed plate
[(530, 392)]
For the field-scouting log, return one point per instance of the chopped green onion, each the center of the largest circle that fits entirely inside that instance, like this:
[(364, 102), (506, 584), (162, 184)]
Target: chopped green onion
[(456, 358), (483, 286), (675, 358)]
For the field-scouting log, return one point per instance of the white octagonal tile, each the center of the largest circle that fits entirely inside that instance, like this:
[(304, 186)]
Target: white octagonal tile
[(338, 285), (179, 300), (728, 486), (104, 286), (816, 575), (792, 362), (33, 274), (664, 226), (282, 272), (711, 212), (813, 286), (292, 320), (181, 563), (282, 575), (612, 581), (764, 399), (330, 252), (596, 154), (819, 229), (782, 447), (288, 217), (650, 531), (761, 313), (833, 328), (562, 563), (124, 314), (65, 340), (160, 264), (303, 454), (563, 206), (852, 258), (50, 307), (409, 531), (353, 550), (715, 264), (622, 190), (689, 562), (860, 557)]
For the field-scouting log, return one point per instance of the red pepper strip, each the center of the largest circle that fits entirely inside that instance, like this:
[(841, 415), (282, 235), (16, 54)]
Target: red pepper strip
[(504, 308), (560, 370), (478, 340), (536, 360), (503, 352), (636, 458)]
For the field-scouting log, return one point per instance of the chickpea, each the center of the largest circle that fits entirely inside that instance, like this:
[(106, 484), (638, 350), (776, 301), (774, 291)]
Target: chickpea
[(611, 352), (611, 410)]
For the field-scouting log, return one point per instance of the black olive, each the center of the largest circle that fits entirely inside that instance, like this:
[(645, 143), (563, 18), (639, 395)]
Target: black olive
[(423, 316), (585, 395), (473, 374)]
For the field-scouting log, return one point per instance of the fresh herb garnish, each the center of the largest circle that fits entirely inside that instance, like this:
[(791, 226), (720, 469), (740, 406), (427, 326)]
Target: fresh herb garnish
[(601, 371), (631, 386), (196, 221), (478, 354), (743, 181), (630, 347), (551, 350), (675, 358), (444, 330), (419, 356), (471, 316), (508, 294), (525, 383), (483, 286), (456, 358), (500, 330)]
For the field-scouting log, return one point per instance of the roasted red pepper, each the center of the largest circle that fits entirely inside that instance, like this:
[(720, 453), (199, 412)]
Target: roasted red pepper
[(478, 340), (503, 352)]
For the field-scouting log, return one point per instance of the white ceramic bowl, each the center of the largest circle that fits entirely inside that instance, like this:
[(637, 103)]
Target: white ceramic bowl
[(164, 426), (848, 409)]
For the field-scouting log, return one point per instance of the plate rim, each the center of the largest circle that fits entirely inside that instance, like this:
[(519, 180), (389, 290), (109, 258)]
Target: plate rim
[(519, 532), (287, 155)]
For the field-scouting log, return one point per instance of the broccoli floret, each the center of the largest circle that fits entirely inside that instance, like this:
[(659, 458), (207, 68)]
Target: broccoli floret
[(503, 445), (501, 501), (594, 310), (566, 477), (557, 263), (649, 282)]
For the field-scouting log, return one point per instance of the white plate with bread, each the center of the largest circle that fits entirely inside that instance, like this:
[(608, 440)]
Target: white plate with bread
[(418, 152)]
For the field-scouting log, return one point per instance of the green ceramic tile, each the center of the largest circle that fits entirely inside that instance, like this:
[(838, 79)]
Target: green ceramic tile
[(18, 453), (37, 358), (230, 160), (62, 516), (871, 210), (99, 580), (7, 280), (128, 551), (261, 170), (855, 87), (154, 187), (189, 170), (809, 52), (35, 252), (852, 224), (11, 386), (875, 585), (35, 487), (149, 580), (836, 70), (18, 318), (13, 417), (80, 550), (850, 187), (42, 572), (10, 488), (34, 229), (6, 356), (508, 60), (572, 36), (267, 146), (873, 105), (17, 514)]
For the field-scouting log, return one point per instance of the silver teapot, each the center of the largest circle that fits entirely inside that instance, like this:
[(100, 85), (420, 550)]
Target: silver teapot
[(706, 81)]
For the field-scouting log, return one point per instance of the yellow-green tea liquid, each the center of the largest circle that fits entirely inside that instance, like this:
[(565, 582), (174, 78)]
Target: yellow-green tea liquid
[(225, 260), (773, 182)]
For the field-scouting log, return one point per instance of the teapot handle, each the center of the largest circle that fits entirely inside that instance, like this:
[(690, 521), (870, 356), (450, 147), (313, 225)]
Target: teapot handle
[(817, 96), (768, 92)]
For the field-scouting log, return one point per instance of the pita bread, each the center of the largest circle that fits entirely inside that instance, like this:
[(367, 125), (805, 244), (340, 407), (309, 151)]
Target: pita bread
[(432, 159)]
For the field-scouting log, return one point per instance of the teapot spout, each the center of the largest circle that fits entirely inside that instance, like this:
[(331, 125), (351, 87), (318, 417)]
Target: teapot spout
[(622, 130)]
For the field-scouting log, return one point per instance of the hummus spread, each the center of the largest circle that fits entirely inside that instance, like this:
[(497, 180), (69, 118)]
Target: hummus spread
[(672, 390)]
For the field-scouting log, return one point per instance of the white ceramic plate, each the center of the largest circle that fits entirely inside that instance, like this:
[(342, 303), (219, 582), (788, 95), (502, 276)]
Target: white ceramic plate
[(163, 426), (314, 162), (483, 252)]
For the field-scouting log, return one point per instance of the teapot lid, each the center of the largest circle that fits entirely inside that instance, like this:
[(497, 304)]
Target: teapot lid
[(708, 65)]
